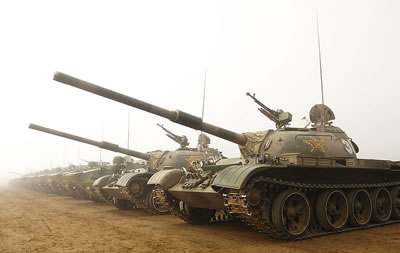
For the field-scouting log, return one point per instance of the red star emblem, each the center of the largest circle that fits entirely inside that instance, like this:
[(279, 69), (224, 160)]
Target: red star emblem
[(315, 144)]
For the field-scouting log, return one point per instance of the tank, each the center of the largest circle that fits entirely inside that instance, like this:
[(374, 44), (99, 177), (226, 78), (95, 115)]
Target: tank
[(48, 181), (293, 183), (56, 184), (88, 184), (63, 186), (106, 185), (82, 181), (128, 186), (39, 182), (66, 182)]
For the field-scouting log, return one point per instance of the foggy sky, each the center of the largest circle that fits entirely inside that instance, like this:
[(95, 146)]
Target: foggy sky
[(157, 51)]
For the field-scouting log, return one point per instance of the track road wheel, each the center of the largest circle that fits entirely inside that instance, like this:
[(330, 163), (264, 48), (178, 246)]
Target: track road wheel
[(332, 209), (291, 212), (360, 207), (122, 204), (381, 205), (198, 216), (154, 205), (395, 194)]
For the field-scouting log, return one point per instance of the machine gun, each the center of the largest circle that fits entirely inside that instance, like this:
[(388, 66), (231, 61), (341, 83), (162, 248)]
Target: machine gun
[(280, 117), (181, 140)]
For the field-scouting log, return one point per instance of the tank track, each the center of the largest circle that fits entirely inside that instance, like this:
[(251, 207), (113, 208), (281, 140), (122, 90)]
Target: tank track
[(77, 192), (161, 196), (236, 202), (139, 202), (102, 196)]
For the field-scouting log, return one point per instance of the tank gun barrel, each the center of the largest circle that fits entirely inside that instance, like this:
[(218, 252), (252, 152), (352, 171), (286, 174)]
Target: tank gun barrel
[(177, 116), (102, 144)]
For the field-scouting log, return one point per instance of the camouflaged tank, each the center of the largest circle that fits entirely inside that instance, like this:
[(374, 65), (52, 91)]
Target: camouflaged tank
[(88, 183), (294, 183), (103, 186), (129, 187), (81, 182), (132, 185), (48, 181), (100, 182), (61, 185), (56, 184), (36, 182)]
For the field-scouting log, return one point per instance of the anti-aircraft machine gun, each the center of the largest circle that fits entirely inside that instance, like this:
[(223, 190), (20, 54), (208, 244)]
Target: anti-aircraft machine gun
[(181, 140), (295, 183), (279, 117)]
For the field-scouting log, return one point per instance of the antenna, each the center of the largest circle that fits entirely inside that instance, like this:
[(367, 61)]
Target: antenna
[(64, 154), (320, 72), (79, 158), (129, 123), (204, 95), (102, 136)]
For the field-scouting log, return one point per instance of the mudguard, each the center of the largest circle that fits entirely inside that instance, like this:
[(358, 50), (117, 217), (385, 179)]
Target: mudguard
[(125, 179), (166, 178), (101, 181), (236, 177)]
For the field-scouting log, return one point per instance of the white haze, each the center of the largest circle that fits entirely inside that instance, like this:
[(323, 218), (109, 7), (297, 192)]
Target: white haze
[(157, 51)]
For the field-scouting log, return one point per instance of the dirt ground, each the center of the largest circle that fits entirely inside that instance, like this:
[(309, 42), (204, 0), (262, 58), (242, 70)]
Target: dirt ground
[(39, 222)]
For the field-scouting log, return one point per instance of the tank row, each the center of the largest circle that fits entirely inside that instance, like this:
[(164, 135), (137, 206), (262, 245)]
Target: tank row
[(288, 183), (124, 183)]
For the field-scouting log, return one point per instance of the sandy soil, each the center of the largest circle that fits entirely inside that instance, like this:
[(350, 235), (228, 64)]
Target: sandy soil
[(39, 222)]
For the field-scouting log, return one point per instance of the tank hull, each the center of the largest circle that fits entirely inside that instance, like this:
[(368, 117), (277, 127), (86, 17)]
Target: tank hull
[(80, 183), (198, 198), (251, 193)]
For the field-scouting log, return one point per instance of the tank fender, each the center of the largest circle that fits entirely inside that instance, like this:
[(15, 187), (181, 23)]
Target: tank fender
[(127, 178), (101, 181), (236, 176), (166, 178)]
